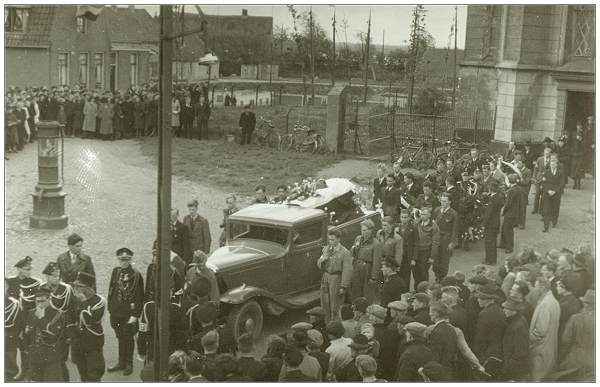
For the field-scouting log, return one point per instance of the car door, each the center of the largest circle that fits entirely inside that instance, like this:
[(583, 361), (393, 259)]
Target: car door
[(306, 245)]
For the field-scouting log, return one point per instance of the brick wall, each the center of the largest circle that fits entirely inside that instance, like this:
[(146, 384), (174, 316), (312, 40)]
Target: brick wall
[(26, 67)]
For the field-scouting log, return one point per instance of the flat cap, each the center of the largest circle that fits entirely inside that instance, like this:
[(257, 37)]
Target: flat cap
[(377, 311), (398, 305), (316, 311), (416, 329), (302, 326)]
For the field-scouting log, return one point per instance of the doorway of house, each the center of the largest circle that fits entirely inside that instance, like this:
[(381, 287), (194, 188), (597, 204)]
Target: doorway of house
[(113, 72), (580, 105)]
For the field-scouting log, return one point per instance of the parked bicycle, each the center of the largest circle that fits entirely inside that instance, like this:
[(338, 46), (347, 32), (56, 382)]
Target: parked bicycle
[(304, 139), (266, 135)]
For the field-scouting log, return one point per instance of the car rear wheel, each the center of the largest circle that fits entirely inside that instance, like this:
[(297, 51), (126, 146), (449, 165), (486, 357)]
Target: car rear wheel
[(246, 318)]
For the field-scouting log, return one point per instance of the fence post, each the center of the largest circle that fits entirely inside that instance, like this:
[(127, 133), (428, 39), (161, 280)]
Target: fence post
[(280, 91), (433, 134)]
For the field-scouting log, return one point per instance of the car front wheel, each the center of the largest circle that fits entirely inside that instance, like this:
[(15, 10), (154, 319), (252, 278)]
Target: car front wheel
[(246, 318)]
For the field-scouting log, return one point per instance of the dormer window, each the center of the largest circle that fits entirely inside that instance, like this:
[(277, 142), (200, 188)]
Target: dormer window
[(81, 25), (15, 19)]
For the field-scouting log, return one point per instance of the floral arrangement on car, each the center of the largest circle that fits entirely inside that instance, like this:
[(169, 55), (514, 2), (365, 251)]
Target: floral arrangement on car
[(305, 189)]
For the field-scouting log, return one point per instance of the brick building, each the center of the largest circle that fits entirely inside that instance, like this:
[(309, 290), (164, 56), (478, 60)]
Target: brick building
[(48, 45), (534, 63)]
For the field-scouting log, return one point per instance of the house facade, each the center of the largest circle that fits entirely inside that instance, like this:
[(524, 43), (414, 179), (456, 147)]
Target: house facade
[(50, 45), (535, 64)]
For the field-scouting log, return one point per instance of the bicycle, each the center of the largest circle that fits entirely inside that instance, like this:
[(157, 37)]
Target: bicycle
[(303, 139), (413, 155), (266, 135)]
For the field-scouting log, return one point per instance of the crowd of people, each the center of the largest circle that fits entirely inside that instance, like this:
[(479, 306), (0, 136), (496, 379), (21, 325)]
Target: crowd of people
[(103, 114), (381, 316)]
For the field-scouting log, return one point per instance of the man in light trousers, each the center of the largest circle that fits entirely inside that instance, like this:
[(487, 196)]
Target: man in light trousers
[(336, 264)]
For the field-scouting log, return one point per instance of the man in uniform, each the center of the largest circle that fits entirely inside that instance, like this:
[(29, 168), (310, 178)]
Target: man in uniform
[(198, 229), (13, 326), (63, 301), (366, 252), (447, 221), (88, 340), (44, 331), (336, 264), (511, 214), (74, 261), (474, 161), (125, 302), (553, 185), (22, 287)]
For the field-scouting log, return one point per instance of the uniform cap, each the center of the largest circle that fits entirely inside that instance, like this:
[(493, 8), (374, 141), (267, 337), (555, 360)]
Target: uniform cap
[(124, 253), (50, 268), (84, 280), (416, 329), (24, 262), (316, 311)]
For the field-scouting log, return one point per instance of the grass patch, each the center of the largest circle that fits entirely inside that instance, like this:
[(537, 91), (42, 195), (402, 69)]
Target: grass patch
[(230, 167)]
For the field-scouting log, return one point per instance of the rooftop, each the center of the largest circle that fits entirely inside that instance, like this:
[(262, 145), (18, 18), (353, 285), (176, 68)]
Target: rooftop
[(277, 214)]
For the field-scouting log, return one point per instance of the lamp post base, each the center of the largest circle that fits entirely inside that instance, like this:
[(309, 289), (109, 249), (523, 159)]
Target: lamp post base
[(54, 223)]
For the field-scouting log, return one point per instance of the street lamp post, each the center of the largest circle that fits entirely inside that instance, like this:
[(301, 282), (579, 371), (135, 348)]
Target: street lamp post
[(209, 59)]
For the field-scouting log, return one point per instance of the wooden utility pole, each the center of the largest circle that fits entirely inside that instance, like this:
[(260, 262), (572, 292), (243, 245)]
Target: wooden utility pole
[(367, 59), (383, 45), (162, 290), (312, 61), (455, 44), (333, 56), (414, 52)]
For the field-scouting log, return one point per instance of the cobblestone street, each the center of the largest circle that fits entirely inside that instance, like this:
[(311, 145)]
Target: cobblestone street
[(111, 203)]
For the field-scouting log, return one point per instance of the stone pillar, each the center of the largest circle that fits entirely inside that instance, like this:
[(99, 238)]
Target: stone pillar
[(49, 197), (336, 114)]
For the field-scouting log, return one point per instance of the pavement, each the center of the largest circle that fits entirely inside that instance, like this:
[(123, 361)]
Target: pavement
[(111, 203)]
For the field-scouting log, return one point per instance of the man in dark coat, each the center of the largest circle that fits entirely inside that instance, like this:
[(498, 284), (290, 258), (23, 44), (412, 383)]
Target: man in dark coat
[(490, 324), (511, 214), (125, 302), (44, 334), (390, 197), (128, 118), (411, 188), (410, 239), (292, 358), (74, 261), (393, 284), (88, 340), (416, 354), (458, 313), (427, 198), (420, 308), (569, 303), (442, 339), (553, 185), (447, 220), (180, 239), (247, 124), (491, 223), (515, 343), (198, 229)]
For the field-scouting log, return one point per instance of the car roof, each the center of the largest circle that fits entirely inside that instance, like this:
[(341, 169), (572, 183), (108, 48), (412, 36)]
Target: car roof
[(277, 214)]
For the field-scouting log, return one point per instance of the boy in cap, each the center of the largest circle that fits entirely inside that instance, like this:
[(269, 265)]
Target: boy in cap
[(349, 373), (367, 368), (198, 229), (210, 349), (74, 261), (315, 345), (292, 358), (316, 316), (62, 300), (416, 354), (393, 285), (420, 308), (44, 331), (125, 302)]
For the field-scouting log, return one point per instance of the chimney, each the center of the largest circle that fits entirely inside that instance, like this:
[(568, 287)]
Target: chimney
[(244, 12)]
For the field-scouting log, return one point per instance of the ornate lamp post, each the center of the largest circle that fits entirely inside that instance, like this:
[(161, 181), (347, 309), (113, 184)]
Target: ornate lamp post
[(209, 59), (49, 197)]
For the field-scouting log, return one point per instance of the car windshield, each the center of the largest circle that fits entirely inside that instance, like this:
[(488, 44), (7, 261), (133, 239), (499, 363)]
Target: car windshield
[(239, 230)]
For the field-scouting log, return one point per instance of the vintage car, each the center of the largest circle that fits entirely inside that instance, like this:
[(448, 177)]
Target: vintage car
[(269, 262)]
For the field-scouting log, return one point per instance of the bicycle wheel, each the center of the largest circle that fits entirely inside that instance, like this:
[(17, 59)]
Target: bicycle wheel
[(424, 160), (442, 156)]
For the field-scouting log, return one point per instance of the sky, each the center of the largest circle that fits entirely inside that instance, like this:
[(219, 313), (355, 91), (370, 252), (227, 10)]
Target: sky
[(393, 19)]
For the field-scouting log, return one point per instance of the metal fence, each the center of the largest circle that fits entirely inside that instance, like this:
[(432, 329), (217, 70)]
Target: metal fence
[(386, 130)]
